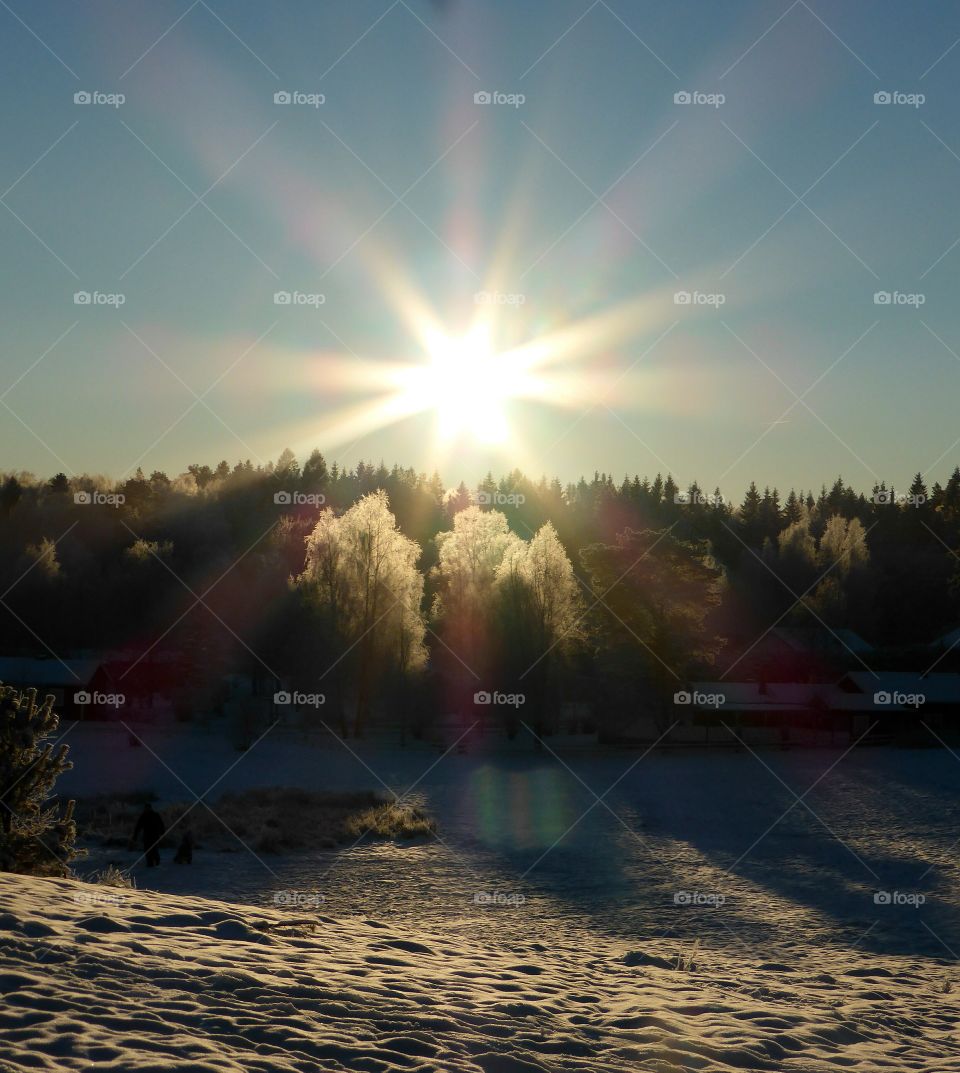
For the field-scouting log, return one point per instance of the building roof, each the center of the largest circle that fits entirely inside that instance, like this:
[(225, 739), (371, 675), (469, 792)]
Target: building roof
[(25, 672), (794, 696), (936, 688)]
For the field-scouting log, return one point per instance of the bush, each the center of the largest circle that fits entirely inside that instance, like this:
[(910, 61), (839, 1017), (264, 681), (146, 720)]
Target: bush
[(34, 838)]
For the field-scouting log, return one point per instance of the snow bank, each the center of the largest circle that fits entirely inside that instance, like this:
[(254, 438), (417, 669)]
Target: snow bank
[(105, 979)]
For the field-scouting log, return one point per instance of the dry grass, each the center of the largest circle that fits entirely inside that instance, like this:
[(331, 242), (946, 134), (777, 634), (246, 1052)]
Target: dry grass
[(273, 820), (112, 876)]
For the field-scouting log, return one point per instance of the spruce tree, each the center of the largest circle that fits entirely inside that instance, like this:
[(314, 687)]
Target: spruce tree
[(34, 838)]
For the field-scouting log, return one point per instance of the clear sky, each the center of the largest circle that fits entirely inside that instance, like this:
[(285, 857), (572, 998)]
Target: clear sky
[(583, 210)]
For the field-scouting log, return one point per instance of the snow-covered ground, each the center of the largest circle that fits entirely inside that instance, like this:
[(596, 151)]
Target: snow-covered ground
[(101, 980), (817, 891)]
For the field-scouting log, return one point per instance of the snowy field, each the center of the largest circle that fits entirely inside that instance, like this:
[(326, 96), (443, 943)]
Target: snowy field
[(146, 981), (584, 910)]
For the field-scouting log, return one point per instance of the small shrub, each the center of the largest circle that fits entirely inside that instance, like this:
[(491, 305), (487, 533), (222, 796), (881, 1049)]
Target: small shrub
[(35, 839), (112, 876)]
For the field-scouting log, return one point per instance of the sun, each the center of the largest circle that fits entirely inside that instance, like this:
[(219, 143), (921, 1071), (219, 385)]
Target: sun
[(467, 385)]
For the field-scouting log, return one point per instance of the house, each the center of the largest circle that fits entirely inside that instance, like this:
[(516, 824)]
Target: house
[(79, 686), (795, 654), (906, 705)]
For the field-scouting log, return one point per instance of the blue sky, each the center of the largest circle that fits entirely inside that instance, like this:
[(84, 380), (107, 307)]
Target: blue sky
[(400, 189)]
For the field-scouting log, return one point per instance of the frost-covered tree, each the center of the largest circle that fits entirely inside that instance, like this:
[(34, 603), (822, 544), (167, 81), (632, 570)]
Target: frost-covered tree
[(469, 556), (539, 616), (362, 576), (552, 592), (464, 607), (844, 542), (34, 838)]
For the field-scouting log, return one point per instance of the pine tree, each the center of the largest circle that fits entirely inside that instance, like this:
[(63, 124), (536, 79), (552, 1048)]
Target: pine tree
[(34, 838)]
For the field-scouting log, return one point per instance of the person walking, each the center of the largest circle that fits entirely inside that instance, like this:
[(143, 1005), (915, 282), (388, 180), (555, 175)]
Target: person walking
[(151, 828)]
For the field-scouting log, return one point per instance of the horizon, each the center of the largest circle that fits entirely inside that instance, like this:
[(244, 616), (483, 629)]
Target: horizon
[(452, 485)]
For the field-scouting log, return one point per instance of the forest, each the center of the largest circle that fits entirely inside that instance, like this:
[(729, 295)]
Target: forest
[(390, 592)]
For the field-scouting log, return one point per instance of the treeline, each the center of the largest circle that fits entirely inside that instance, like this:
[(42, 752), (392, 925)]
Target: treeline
[(227, 565)]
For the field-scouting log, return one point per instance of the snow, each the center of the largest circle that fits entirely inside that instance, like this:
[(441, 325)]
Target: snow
[(96, 978), (543, 930)]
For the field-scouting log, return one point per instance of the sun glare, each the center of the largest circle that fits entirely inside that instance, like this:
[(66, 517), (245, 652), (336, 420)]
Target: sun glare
[(468, 387)]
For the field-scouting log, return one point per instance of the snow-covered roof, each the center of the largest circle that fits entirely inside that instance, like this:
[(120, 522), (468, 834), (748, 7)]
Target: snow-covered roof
[(795, 696), (936, 688), (21, 671), (763, 696)]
